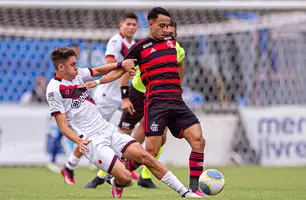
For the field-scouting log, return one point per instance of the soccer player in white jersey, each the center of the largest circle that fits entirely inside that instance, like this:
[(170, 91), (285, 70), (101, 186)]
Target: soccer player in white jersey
[(107, 96), (79, 119)]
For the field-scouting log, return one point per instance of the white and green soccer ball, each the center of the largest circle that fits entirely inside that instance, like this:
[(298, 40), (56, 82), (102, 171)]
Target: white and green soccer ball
[(211, 182)]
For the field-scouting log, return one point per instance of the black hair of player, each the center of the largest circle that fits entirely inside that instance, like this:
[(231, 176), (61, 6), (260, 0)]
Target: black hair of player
[(129, 15), (61, 54), (173, 24), (74, 45), (154, 12)]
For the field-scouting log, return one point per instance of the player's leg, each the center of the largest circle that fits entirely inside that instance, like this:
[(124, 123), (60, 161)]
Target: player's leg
[(126, 125), (194, 137), (56, 144), (186, 125), (137, 156), (155, 120), (107, 110), (68, 169), (139, 133), (105, 158), (145, 179)]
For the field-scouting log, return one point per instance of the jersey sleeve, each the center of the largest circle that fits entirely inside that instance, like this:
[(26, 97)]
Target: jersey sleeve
[(133, 53), (86, 74), (180, 52), (55, 102), (113, 48)]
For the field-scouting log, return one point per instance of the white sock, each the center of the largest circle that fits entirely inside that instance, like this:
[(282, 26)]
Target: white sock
[(171, 180), (72, 162)]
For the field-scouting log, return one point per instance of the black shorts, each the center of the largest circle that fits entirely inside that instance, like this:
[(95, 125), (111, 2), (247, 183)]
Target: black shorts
[(173, 114), (127, 120)]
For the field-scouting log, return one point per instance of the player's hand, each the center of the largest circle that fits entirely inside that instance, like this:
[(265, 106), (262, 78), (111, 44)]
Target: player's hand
[(90, 84), (129, 65), (132, 73), (127, 106), (83, 145)]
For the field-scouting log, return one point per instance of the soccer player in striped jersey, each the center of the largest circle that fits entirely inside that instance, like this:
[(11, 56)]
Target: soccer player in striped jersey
[(164, 106), (132, 107)]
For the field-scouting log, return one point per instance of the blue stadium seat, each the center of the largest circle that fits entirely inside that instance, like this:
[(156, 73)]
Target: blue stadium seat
[(22, 60)]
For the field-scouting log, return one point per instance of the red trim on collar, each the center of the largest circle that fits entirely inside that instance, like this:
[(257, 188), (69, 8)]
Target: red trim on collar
[(57, 77), (122, 35)]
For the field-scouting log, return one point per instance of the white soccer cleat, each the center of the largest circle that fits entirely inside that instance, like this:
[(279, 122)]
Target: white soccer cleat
[(190, 194)]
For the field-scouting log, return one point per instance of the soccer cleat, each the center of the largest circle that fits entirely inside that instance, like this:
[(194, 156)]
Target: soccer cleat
[(117, 192), (200, 193), (94, 183), (146, 183), (53, 168), (135, 175), (190, 194), (68, 176)]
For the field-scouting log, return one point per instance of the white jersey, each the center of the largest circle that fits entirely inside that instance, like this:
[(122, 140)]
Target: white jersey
[(116, 47), (81, 111)]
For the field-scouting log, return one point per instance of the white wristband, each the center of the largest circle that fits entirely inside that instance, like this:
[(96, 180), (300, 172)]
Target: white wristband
[(98, 82)]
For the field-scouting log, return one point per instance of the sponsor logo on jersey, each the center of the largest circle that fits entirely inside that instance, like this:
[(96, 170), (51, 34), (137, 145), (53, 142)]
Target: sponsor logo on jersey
[(76, 103), (147, 45)]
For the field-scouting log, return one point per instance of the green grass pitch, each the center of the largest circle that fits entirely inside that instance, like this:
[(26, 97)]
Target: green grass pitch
[(242, 183)]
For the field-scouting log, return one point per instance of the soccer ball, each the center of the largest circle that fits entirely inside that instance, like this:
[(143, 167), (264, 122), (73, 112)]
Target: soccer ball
[(211, 182)]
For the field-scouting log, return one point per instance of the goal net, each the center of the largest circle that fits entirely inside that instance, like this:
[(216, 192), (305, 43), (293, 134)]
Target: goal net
[(246, 56)]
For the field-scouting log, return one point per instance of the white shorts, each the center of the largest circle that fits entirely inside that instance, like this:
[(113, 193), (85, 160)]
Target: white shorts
[(106, 146)]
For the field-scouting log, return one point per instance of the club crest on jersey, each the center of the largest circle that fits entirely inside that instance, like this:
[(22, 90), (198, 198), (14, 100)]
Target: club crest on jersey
[(170, 44), (76, 103)]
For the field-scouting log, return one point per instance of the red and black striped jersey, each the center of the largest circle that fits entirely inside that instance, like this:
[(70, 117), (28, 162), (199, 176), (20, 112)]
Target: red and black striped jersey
[(157, 60)]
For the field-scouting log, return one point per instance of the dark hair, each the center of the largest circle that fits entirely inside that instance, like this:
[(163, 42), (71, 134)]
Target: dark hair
[(173, 24), (129, 15), (154, 12), (74, 45), (61, 54)]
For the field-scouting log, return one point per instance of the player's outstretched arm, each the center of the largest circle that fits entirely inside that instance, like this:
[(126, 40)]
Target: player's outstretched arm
[(128, 65), (63, 127), (111, 76)]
